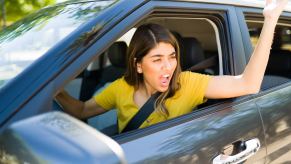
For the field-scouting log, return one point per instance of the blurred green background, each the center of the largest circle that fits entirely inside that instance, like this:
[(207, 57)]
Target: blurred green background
[(13, 10)]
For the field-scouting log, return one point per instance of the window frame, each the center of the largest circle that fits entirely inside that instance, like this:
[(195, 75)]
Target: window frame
[(181, 7)]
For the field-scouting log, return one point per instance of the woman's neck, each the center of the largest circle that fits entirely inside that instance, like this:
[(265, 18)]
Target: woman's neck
[(141, 95), (146, 90)]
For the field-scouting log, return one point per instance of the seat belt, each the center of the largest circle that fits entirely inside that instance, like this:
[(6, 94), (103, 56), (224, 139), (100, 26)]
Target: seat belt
[(144, 112)]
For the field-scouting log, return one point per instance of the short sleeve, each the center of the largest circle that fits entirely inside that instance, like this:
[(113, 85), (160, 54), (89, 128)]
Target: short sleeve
[(194, 86), (106, 98)]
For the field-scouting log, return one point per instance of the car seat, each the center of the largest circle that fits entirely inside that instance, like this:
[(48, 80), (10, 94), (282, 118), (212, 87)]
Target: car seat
[(116, 54), (192, 52), (107, 122), (279, 63), (280, 59)]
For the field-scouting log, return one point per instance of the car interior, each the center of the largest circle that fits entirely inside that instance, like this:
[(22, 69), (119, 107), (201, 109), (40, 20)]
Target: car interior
[(278, 70), (200, 51)]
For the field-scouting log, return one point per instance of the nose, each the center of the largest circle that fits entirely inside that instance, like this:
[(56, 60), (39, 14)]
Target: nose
[(167, 65)]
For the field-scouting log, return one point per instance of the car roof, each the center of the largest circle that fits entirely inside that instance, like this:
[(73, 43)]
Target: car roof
[(244, 3)]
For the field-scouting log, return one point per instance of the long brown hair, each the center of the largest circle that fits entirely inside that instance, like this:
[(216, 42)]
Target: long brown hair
[(145, 38)]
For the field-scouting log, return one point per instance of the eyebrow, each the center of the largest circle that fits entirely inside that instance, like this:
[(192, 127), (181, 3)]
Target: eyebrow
[(159, 55)]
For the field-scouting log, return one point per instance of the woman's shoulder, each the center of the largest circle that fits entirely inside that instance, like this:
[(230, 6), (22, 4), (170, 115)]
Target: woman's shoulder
[(187, 77), (189, 74), (120, 82), (117, 86)]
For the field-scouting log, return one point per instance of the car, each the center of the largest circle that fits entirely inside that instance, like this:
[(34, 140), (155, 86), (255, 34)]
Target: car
[(80, 46)]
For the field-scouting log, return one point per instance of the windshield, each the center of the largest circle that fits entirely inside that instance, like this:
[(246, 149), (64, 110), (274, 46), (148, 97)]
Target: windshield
[(28, 39)]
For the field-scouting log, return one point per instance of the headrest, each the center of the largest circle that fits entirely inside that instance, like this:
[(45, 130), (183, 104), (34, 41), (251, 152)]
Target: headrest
[(179, 38), (192, 52), (117, 54)]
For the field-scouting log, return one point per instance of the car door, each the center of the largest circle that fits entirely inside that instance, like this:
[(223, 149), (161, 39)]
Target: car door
[(275, 107), (274, 100), (203, 135), (198, 137)]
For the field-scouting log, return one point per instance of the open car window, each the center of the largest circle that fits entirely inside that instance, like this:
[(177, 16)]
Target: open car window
[(199, 47), (278, 70)]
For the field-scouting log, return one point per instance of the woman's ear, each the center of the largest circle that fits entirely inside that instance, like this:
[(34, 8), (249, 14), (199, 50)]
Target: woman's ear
[(138, 68)]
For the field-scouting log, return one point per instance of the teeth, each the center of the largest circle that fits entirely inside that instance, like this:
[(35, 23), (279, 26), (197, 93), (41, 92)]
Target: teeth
[(166, 75)]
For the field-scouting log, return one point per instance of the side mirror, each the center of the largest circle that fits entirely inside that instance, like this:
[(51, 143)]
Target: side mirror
[(56, 137)]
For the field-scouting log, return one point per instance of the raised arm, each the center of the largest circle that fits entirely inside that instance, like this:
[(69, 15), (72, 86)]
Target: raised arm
[(249, 82), (79, 109)]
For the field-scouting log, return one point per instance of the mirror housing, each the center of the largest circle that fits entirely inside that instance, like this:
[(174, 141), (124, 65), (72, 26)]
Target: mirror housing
[(56, 137)]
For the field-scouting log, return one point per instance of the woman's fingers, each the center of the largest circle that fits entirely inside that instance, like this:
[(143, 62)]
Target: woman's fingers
[(268, 2), (282, 3), (274, 8)]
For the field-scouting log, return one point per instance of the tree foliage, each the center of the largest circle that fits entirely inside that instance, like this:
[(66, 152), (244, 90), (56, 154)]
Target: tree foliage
[(16, 9)]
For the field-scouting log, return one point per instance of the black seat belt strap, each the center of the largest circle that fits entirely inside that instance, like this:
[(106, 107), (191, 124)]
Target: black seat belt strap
[(143, 113)]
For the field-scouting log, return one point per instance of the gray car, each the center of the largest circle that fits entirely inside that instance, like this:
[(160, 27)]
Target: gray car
[(81, 46)]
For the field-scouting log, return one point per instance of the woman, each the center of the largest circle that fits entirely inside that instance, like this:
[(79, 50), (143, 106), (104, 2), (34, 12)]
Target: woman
[(154, 66)]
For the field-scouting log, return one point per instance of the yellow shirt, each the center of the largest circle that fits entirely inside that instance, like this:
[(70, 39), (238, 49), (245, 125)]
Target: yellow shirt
[(119, 94)]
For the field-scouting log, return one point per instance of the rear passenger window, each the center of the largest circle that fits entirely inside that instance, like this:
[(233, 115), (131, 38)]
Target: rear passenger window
[(279, 66)]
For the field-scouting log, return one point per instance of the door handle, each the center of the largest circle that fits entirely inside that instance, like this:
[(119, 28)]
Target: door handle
[(252, 146)]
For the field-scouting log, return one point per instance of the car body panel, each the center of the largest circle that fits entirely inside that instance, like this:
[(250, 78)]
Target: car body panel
[(201, 138), (275, 108)]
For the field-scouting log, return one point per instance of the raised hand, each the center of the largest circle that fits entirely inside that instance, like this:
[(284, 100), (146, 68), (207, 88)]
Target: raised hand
[(274, 8)]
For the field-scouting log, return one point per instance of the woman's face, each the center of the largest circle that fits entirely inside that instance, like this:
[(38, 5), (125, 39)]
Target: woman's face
[(158, 67)]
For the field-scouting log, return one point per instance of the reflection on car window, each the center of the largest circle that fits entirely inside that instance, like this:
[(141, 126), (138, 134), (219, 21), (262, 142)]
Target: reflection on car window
[(27, 40), (282, 37), (280, 54)]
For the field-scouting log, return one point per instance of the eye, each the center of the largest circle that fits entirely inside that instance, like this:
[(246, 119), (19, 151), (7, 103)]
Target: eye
[(173, 56), (157, 60)]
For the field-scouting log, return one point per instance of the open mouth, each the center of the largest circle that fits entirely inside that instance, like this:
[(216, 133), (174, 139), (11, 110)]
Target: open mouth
[(165, 80)]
